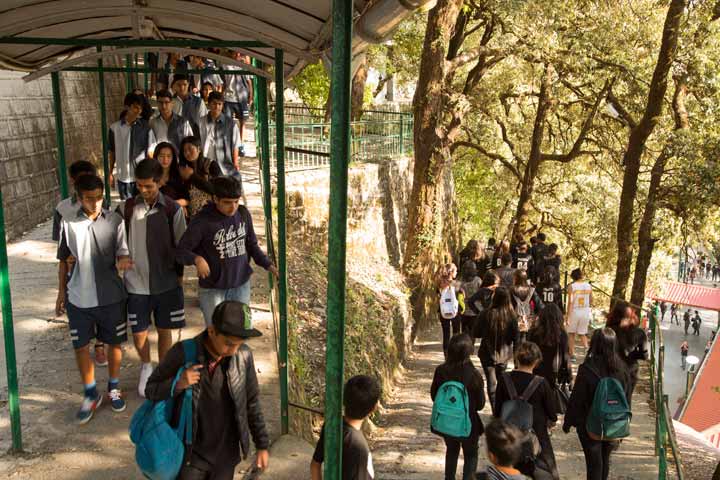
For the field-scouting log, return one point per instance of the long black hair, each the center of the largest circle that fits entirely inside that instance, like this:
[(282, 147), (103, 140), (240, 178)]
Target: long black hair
[(499, 315), (549, 326), (490, 279), (468, 271), (604, 351), (174, 164), (459, 350)]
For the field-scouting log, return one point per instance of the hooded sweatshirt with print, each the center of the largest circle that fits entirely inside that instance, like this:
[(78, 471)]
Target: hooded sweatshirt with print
[(226, 244)]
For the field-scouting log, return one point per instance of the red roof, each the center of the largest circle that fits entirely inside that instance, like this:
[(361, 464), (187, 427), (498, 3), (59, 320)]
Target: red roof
[(701, 408), (697, 296)]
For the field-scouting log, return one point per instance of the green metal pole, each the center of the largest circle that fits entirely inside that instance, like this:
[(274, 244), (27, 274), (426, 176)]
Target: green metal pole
[(9, 334), (59, 134), (282, 250), (128, 78), (264, 131), (337, 232), (104, 129), (402, 138)]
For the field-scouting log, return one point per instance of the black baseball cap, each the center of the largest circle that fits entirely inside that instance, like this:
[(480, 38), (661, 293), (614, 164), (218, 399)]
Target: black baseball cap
[(233, 319)]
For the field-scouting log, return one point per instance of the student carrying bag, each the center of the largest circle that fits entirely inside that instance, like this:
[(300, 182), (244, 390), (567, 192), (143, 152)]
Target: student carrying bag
[(519, 412), (451, 411), (160, 448), (610, 415)]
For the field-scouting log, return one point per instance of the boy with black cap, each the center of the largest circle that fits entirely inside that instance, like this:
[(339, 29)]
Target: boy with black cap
[(225, 387)]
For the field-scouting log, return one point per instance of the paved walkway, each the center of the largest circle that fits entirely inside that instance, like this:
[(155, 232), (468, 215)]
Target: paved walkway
[(50, 390), (405, 449)]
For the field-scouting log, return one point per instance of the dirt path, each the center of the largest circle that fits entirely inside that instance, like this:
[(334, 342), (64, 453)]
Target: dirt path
[(403, 447), (50, 390)]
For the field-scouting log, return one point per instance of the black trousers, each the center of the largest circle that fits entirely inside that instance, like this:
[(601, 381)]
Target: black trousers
[(470, 457), (202, 471), (445, 324), (597, 455), (492, 373)]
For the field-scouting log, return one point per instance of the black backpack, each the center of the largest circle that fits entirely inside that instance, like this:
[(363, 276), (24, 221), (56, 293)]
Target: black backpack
[(519, 412)]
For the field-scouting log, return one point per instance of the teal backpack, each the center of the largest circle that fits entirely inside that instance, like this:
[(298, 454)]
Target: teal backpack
[(451, 411), (160, 448), (609, 416)]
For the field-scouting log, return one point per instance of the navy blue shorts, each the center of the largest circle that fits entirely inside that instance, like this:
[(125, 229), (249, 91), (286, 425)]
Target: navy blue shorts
[(239, 109), (168, 310), (106, 323)]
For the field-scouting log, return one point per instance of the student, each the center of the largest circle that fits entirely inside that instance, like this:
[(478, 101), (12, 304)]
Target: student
[(497, 329), (129, 141), (95, 239), (579, 313), (527, 359), (458, 367), (663, 309), (632, 341), (220, 137), (154, 224), (696, 321), (686, 320), (490, 252), (196, 172), (220, 241), (505, 271), (226, 397), (470, 285), (205, 90), (483, 297), (475, 251), (549, 259), (171, 182), (540, 248), (602, 361), (549, 287), (517, 240), (188, 106), (549, 334), (500, 251), (446, 283), (674, 314), (360, 399), (168, 126), (504, 448), (70, 206), (238, 94), (684, 350), (208, 75), (525, 301), (524, 261)]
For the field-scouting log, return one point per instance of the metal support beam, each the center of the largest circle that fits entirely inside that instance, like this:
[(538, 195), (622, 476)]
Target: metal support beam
[(59, 135), (337, 234), (104, 129), (154, 70), (9, 337), (282, 240), (127, 42)]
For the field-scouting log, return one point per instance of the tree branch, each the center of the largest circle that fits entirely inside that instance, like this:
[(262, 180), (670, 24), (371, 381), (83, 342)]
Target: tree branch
[(495, 156)]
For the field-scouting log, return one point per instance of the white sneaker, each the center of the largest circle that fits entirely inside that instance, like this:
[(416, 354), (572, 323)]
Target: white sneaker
[(145, 372)]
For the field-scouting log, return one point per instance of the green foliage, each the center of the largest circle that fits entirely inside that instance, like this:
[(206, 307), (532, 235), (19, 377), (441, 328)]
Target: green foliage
[(313, 85)]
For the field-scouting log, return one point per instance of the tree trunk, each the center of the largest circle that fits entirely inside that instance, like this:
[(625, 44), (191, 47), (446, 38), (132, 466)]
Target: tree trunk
[(357, 92), (424, 250), (646, 243), (636, 146), (534, 159)]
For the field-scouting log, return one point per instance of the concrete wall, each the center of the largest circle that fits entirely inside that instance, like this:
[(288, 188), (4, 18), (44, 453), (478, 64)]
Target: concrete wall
[(28, 147)]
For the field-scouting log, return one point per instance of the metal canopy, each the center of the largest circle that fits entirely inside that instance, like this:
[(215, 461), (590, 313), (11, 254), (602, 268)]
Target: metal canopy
[(301, 28)]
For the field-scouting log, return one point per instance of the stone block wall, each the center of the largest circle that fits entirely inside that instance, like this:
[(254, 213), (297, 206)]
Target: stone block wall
[(28, 149)]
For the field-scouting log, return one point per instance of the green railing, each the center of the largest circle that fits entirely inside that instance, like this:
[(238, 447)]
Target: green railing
[(376, 135)]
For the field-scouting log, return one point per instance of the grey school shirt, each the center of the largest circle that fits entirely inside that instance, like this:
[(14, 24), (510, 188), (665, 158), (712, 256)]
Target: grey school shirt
[(153, 235), (95, 245)]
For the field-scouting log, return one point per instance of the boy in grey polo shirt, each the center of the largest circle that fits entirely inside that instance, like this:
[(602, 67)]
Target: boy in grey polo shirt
[(168, 126), (154, 224), (93, 239)]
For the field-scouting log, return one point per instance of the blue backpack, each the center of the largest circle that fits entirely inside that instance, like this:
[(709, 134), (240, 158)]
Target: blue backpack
[(160, 448), (451, 411)]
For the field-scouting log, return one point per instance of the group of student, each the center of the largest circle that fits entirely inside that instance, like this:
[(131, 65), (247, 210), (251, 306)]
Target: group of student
[(516, 312)]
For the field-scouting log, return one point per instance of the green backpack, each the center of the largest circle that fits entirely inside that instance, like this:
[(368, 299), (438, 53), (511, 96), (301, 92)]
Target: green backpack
[(609, 416), (451, 411)]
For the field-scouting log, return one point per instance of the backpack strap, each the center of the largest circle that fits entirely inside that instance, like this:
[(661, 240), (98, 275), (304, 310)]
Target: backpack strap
[(534, 384), (190, 350), (186, 415), (509, 386)]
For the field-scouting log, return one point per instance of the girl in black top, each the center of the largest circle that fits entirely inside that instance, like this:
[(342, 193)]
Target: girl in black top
[(632, 340), (171, 185), (475, 251), (470, 285), (497, 329), (527, 358), (459, 368), (602, 361), (482, 299), (549, 287), (196, 172), (524, 295)]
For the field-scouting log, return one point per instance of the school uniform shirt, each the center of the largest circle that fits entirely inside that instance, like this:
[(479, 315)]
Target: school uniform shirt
[(173, 131), (129, 143), (551, 293), (66, 206), (95, 244), (525, 262), (152, 240), (220, 138), (226, 244), (357, 461), (191, 109), (236, 86)]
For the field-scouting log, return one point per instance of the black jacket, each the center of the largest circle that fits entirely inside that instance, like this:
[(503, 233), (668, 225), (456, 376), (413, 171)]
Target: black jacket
[(242, 383), (496, 350), (555, 357), (633, 346), (583, 392), (469, 376)]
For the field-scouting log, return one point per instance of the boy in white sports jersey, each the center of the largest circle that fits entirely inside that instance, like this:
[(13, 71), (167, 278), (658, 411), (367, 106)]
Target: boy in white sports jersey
[(579, 313)]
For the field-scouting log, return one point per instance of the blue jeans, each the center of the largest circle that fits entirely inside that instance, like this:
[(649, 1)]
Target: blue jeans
[(126, 190), (212, 297)]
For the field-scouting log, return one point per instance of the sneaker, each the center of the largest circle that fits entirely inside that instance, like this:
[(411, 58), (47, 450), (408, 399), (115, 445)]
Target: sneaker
[(100, 357), (145, 372), (87, 409), (116, 401)]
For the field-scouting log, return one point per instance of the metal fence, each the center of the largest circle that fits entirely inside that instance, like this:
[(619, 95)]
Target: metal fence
[(377, 134)]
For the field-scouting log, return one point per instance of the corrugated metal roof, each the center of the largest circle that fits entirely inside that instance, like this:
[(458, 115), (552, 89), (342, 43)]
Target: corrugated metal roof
[(299, 27), (697, 296), (701, 408)]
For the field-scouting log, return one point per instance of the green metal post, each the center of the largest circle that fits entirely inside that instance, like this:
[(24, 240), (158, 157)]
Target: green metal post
[(9, 334), (282, 251), (402, 138), (59, 134), (337, 232), (264, 131), (128, 78), (104, 129)]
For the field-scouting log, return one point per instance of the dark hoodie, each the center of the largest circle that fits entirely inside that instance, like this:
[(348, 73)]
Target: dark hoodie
[(226, 243)]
